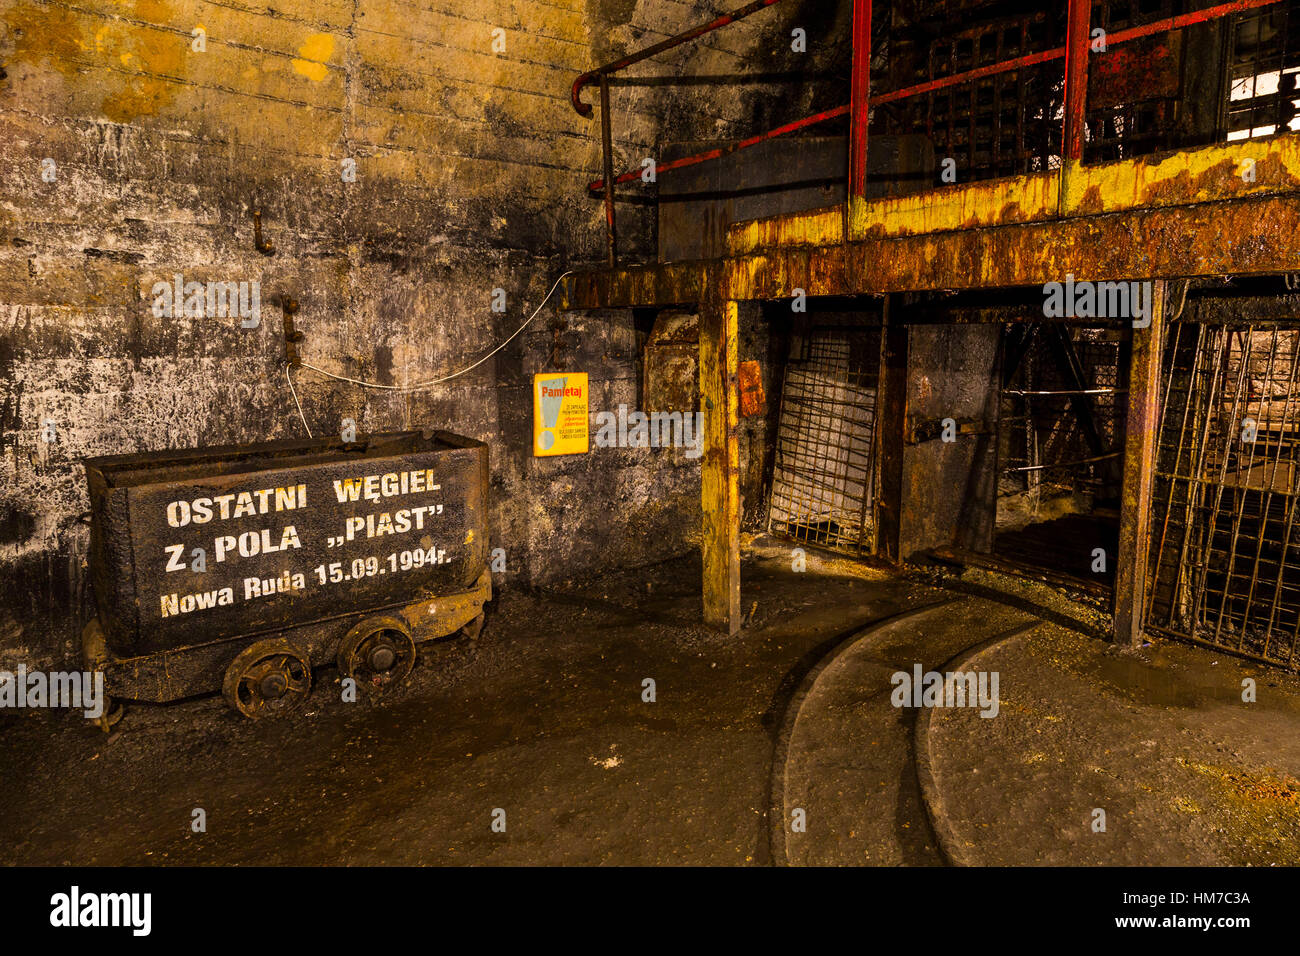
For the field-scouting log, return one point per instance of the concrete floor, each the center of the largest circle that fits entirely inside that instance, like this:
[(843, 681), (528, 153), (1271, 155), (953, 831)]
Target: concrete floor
[(543, 718)]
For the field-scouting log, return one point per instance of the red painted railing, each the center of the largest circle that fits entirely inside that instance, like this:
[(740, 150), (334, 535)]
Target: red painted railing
[(1074, 53)]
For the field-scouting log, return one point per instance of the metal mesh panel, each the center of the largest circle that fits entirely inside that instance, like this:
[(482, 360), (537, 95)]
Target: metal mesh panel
[(1135, 89), (822, 476), (1000, 125), (1225, 558)]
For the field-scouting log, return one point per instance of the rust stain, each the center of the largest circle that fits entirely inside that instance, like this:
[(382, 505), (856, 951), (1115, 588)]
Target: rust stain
[(1013, 212), (752, 399), (1092, 201)]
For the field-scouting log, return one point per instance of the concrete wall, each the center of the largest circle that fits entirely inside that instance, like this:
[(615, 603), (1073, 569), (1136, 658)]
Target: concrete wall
[(470, 167)]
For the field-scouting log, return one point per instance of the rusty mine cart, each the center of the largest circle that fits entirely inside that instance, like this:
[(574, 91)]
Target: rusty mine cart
[(242, 568)]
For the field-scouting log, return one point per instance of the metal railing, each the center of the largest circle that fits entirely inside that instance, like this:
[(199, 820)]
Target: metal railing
[(1074, 53)]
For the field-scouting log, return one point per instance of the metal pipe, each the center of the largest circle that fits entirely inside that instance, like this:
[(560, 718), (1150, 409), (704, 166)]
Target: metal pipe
[(720, 151), (575, 95), (607, 160), (1076, 78), (860, 96)]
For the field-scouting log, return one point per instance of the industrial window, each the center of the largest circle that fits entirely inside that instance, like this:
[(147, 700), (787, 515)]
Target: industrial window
[(1263, 66), (1000, 125)]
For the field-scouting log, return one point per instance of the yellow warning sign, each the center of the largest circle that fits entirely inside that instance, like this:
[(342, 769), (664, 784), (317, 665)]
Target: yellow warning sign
[(560, 413)]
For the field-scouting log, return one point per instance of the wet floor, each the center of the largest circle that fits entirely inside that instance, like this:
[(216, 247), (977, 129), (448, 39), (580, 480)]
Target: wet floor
[(542, 721), (546, 727)]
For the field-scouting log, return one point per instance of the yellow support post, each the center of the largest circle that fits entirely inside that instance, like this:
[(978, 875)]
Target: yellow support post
[(720, 479)]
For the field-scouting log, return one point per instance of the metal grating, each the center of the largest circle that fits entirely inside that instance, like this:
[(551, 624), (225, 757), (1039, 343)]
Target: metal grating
[(1136, 90), (1001, 125), (822, 477), (1263, 67), (1225, 549)]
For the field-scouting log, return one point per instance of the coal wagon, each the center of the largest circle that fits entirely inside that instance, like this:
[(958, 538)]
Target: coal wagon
[(243, 568)]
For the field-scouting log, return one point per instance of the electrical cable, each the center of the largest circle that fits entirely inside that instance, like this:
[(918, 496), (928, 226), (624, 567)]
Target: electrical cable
[(438, 381), (294, 392), (419, 385)]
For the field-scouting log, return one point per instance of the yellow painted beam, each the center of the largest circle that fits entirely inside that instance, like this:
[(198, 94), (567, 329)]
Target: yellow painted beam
[(996, 202), (1208, 174), (1186, 177), (818, 227)]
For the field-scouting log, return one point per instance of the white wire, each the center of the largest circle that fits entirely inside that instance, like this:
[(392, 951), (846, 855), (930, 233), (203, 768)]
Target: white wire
[(294, 392), (445, 378)]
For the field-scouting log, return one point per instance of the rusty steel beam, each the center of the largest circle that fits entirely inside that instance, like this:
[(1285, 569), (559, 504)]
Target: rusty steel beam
[(1256, 235), (1143, 424), (1076, 77)]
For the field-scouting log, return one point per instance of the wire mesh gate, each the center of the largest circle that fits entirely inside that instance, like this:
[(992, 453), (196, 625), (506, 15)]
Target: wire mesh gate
[(823, 474), (1225, 546)]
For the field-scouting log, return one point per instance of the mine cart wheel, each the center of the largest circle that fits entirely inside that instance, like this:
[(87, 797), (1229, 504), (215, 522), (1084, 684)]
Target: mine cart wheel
[(475, 627), (268, 678), (377, 653)]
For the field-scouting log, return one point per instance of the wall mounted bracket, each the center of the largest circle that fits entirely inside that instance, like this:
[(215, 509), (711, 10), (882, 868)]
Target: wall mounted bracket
[(265, 247)]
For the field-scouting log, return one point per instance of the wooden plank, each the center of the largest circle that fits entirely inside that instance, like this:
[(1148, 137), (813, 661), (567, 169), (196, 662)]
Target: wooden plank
[(720, 477), (1139, 473)]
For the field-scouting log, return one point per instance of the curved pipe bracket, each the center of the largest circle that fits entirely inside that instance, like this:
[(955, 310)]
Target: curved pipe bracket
[(575, 95)]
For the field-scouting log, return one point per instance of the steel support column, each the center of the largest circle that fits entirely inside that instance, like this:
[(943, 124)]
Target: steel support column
[(1139, 473), (1077, 38)]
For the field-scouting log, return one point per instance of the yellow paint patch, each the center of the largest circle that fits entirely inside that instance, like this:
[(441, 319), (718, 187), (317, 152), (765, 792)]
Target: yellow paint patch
[(315, 54)]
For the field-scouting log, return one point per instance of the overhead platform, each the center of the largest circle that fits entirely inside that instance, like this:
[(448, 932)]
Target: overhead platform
[(1231, 209)]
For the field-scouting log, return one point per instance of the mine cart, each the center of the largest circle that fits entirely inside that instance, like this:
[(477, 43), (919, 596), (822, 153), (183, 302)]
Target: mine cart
[(241, 568)]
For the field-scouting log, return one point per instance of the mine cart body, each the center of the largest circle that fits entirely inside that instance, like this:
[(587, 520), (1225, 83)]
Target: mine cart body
[(198, 555)]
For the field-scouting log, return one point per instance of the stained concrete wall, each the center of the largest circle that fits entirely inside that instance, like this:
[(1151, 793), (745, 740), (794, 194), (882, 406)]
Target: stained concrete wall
[(470, 167)]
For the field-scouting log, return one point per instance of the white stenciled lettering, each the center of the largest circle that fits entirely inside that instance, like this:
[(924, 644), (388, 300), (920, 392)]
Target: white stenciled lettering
[(394, 484), (246, 504)]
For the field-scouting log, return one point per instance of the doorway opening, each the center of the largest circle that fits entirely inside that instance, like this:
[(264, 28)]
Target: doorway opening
[(1061, 418)]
